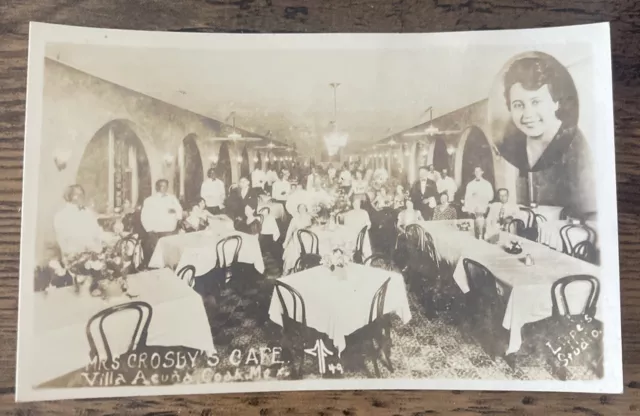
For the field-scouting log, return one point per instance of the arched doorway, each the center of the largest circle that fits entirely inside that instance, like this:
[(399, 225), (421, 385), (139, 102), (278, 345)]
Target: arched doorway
[(189, 172), (223, 167), (476, 152), (440, 155), (245, 170), (114, 170)]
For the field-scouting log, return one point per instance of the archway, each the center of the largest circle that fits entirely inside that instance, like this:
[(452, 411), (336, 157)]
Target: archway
[(189, 172), (114, 169), (440, 155), (421, 150), (245, 170), (476, 151), (223, 167)]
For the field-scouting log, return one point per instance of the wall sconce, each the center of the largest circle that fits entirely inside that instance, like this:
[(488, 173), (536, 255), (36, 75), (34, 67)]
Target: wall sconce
[(255, 160), (266, 159), (213, 159), (239, 159), (61, 158), (168, 159), (451, 150)]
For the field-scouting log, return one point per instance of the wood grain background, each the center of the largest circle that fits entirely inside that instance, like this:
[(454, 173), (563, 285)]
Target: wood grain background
[(327, 16)]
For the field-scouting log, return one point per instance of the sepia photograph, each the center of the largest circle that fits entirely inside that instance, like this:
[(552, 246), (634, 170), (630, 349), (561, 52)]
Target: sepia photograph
[(209, 213)]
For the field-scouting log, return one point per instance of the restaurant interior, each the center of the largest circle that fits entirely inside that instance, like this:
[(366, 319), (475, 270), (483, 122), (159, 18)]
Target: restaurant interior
[(354, 263)]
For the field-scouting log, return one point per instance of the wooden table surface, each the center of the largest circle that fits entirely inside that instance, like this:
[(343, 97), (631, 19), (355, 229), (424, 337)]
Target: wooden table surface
[(328, 16)]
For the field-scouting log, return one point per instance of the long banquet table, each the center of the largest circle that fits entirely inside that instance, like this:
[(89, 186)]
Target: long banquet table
[(530, 297), (61, 316), (199, 249), (337, 306), (329, 237)]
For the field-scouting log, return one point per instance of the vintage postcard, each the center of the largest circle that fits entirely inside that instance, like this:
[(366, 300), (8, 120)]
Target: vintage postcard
[(209, 213)]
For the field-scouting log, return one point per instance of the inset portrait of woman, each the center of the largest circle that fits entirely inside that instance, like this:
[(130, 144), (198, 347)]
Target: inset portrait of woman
[(534, 117)]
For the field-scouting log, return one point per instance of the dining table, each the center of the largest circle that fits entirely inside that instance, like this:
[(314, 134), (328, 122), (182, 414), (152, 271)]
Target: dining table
[(199, 250), (338, 305), (60, 317), (330, 236), (530, 284)]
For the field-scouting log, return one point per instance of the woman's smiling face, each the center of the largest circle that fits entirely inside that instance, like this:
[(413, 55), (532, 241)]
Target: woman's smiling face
[(533, 112)]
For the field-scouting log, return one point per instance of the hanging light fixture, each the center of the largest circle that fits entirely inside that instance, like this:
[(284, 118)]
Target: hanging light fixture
[(335, 139)]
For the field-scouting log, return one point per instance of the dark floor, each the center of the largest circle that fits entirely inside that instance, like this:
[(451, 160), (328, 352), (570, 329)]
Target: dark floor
[(423, 348)]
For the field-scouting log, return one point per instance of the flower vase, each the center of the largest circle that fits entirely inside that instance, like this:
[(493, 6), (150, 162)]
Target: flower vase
[(83, 285), (111, 288)]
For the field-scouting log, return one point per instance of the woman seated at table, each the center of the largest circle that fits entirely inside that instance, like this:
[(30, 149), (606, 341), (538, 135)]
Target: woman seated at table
[(444, 211), (408, 216), (301, 219), (359, 187), (382, 200), (198, 217), (399, 199)]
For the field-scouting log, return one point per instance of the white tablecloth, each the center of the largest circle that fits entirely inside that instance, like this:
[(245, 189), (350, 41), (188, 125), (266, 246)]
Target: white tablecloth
[(530, 298), (339, 307), (220, 223), (328, 238), (549, 233), (61, 316), (199, 250)]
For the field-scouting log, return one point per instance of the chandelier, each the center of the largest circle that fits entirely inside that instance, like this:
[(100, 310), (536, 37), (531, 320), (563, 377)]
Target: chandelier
[(335, 139)]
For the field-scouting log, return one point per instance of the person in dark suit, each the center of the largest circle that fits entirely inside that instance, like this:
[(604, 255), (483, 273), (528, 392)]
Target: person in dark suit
[(239, 199), (424, 193)]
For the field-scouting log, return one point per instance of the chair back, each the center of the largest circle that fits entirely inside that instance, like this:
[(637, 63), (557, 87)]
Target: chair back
[(481, 281), (559, 296), (528, 216), (517, 227), (358, 255), (314, 244), (586, 251), (415, 237), (539, 219), (378, 261), (572, 234), (264, 211), (188, 274), (222, 248), (130, 249), (297, 303), (377, 303), (140, 333)]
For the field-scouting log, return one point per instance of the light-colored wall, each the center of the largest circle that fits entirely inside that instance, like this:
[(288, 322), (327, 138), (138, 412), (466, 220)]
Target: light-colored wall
[(76, 105)]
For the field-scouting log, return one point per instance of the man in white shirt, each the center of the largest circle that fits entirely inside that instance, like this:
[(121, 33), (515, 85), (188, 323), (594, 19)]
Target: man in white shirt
[(331, 173), (258, 179), (213, 192), (311, 179), (160, 215), (447, 184), (282, 188), (478, 194), (345, 180), (501, 213), (76, 226)]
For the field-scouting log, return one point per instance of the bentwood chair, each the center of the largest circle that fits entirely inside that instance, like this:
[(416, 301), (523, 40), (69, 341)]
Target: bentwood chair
[(517, 227), (138, 338), (130, 250), (572, 234), (375, 337), (309, 253), (358, 255), (585, 250), (264, 211), (296, 335), (554, 331), (378, 261), (231, 244), (486, 305), (101, 353), (188, 275)]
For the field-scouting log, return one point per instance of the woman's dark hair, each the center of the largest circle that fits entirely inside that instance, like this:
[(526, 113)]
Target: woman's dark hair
[(159, 182), (536, 71), (443, 193), (69, 191), (210, 172)]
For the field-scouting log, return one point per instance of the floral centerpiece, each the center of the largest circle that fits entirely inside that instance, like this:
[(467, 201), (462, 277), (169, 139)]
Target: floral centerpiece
[(337, 260), (104, 274)]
